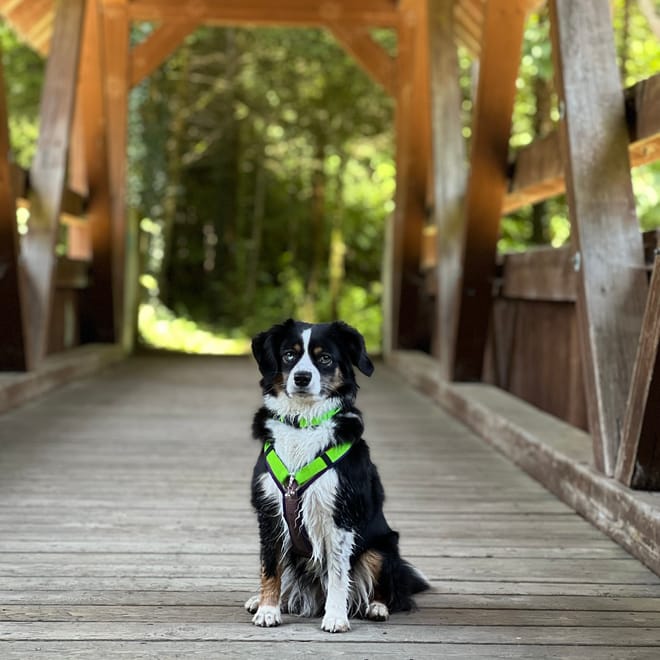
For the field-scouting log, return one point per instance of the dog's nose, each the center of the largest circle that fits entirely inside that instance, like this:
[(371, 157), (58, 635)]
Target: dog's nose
[(302, 378)]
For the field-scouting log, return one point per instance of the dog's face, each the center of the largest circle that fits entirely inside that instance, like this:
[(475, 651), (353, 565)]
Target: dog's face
[(310, 361)]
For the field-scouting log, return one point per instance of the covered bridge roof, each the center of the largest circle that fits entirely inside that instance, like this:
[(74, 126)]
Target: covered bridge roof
[(33, 19)]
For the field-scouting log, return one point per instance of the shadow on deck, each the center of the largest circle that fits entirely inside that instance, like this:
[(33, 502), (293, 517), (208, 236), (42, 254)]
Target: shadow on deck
[(126, 529)]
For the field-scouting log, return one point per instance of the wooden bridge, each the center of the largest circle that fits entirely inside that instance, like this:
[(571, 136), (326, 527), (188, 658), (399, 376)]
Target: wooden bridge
[(126, 526)]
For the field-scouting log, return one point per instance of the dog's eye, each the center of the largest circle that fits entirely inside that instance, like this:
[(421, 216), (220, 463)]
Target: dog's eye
[(288, 357), (325, 359)]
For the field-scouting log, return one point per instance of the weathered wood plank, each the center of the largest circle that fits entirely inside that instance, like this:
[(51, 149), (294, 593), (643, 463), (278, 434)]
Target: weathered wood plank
[(232, 612), (337, 649), (605, 235), (114, 37), (496, 88), (293, 630), (449, 179), (97, 306), (14, 343), (639, 455), (131, 521), (553, 452), (405, 325), (540, 274), (48, 171), (538, 170)]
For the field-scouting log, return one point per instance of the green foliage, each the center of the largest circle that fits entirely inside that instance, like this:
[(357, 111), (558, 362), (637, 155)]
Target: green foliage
[(536, 113), (261, 162), (24, 71), (267, 196)]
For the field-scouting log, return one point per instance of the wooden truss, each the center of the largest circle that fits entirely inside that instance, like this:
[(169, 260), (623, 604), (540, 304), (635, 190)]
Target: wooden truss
[(448, 204)]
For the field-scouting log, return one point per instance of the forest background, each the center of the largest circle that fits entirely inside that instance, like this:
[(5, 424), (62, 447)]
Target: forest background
[(262, 174)]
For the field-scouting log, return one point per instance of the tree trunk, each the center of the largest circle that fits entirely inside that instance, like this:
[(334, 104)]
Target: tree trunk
[(174, 154)]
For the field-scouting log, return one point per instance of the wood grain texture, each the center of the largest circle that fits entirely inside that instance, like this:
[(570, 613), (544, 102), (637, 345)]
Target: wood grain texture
[(449, 178), (538, 170), (556, 454), (48, 171), (114, 38), (406, 309), (128, 529), (639, 455), (496, 88), (612, 284), (376, 13), (97, 303)]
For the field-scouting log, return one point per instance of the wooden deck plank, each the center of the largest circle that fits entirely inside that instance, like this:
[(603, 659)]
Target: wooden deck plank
[(125, 528)]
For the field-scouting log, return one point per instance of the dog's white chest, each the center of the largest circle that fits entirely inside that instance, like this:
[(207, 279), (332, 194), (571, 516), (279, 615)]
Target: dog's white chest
[(316, 511)]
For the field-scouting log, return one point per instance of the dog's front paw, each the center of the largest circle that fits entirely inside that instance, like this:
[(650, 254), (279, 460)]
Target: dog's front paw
[(267, 616), (377, 611), (334, 624), (252, 604)]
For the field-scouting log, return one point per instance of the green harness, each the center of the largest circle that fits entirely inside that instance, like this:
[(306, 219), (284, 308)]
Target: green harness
[(292, 487)]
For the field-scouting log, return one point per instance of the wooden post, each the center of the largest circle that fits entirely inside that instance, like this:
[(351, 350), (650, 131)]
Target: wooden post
[(404, 308), (449, 184), (97, 305), (48, 172), (503, 27), (115, 38), (13, 328), (638, 463), (605, 235)]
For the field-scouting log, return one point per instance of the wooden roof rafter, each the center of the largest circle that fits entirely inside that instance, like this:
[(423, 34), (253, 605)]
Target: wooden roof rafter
[(33, 19), (382, 13)]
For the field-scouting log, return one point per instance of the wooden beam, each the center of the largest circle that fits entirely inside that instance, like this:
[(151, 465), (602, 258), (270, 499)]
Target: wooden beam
[(115, 40), (540, 274), (638, 463), (405, 324), (643, 112), (383, 13), (48, 172), (605, 235), (538, 170), (450, 177), (504, 22), (371, 56), (147, 56), (468, 24), (13, 329), (97, 307)]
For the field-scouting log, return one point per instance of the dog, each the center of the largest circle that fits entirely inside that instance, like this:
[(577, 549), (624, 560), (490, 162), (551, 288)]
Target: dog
[(326, 547)]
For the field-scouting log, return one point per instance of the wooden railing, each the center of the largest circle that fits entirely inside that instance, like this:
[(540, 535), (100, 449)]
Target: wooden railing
[(72, 265)]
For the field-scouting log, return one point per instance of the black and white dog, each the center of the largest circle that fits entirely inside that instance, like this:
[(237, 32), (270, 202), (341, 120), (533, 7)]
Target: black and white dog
[(325, 544)]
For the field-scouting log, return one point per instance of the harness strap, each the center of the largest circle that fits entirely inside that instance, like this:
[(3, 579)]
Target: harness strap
[(292, 487), (308, 473)]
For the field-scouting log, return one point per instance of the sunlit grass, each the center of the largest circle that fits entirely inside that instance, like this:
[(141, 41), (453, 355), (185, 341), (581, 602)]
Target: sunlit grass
[(160, 328)]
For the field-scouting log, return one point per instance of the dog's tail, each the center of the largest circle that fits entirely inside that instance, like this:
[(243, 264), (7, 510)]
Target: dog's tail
[(404, 581), (418, 581)]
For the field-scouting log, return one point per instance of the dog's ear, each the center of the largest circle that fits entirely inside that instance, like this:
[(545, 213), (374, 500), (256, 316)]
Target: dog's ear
[(354, 342), (264, 347)]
